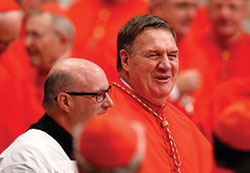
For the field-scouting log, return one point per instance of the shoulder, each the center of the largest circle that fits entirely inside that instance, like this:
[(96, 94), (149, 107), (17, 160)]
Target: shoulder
[(34, 150)]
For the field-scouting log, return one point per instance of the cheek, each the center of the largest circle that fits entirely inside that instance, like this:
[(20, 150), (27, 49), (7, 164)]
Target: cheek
[(175, 66)]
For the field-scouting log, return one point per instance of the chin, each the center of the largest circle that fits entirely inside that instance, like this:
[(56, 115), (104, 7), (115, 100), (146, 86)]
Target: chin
[(225, 31), (161, 95)]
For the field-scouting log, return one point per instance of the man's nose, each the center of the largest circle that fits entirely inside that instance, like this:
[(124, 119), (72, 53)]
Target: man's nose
[(164, 63), (28, 40), (108, 101)]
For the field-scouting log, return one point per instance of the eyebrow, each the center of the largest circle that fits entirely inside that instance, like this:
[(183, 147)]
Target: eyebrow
[(175, 51)]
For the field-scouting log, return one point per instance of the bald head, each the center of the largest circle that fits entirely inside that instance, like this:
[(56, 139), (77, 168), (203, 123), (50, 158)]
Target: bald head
[(10, 23), (73, 74), (78, 67), (75, 90)]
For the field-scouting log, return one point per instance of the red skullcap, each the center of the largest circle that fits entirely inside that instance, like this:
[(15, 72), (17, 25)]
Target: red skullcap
[(55, 9), (110, 142), (233, 126), (8, 5)]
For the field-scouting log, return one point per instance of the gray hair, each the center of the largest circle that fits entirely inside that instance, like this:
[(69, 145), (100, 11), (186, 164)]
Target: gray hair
[(61, 25)]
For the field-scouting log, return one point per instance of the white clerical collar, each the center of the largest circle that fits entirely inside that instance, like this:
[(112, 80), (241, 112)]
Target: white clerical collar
[(125, 83)]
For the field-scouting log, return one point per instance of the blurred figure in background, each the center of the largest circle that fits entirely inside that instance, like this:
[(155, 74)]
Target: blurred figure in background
[(10, 27), (219, 52), (18, 106), (121, 150), (74, 91), (28, 92), (179, 13), (49, 38), (97, 23), (226, 93), (231, 137)]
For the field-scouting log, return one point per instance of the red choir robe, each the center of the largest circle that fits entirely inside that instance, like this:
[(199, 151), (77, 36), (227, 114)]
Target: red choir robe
[(233, 90), (215, 64), (97, 25), (8, 5), (194, 149), (21, 107)]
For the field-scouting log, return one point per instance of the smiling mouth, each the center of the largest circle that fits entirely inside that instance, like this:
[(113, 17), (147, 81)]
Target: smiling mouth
[(162, 78)]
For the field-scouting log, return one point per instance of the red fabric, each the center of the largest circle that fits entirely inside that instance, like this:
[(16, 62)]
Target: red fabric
[(19, 106), (189, 51), (233, 125), (55, 8), (194, 149), (201, 21), (215, 64), (236, 89), (104, 144), (97, 25), (8, 5)]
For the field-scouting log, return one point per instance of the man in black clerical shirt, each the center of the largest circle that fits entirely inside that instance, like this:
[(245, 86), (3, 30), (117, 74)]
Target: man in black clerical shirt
[(74, 91)]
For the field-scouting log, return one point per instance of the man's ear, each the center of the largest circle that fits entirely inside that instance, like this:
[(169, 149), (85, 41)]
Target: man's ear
[(64, 101), (64, 38), (124, 59)]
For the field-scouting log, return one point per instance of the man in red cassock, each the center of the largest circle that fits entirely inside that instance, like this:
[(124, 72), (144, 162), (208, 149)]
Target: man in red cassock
[(226, 93), (17, 97), (219, 52), (97, 23), (148, 67), (49, 38), (231, 136)]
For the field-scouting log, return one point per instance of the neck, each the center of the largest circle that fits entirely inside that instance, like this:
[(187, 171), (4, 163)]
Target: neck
[(226, 41), (156, 108), (61, 119), (147, 102)]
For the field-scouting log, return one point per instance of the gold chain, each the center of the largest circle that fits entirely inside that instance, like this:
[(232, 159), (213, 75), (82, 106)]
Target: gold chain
[(165, 125)]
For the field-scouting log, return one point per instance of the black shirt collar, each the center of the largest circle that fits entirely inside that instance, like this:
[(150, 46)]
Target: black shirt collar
[(48, 125)]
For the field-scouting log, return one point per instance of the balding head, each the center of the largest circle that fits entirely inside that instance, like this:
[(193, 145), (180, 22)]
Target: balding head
[(10, 23), (76, 76)]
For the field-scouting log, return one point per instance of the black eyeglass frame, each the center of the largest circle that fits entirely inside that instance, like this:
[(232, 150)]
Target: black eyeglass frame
[(91, 94)]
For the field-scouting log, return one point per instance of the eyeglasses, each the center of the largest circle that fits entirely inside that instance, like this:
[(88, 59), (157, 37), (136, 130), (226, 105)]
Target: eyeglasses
[(100, 96)]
